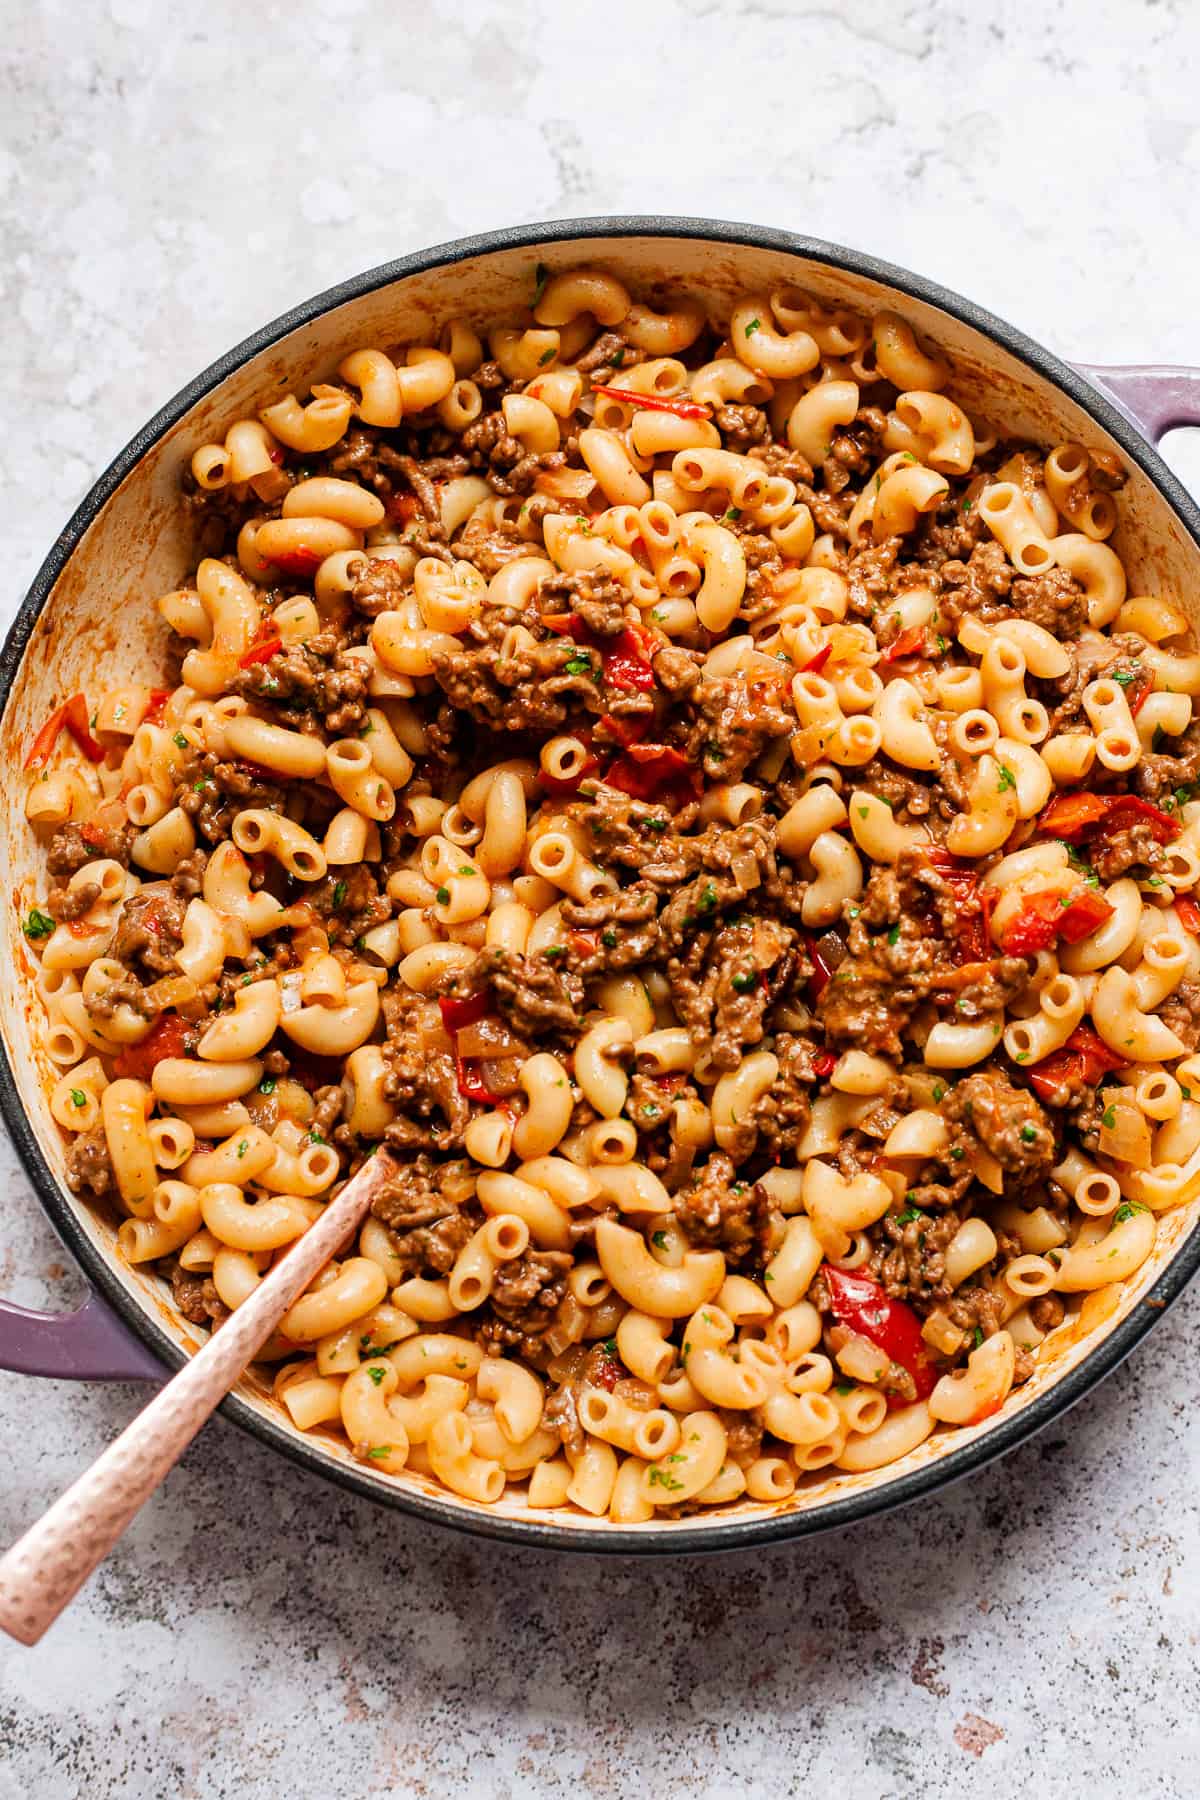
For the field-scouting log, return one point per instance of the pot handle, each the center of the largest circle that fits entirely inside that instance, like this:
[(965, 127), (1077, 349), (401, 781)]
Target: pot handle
[(1156, 397), (90, 1344)]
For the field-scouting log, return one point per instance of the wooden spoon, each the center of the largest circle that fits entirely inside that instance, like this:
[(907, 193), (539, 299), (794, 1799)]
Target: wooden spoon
[(46, 1568)]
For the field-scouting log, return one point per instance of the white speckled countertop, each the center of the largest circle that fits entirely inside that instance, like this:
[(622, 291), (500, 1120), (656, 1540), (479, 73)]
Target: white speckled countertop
[(170, 178)]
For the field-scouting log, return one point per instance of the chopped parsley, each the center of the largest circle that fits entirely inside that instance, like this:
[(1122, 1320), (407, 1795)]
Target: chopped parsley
[(541, 276), (379, 1452), (376, 1373), (315, 1137), (579, 665), (609, 938), (735, 512), (1127, 1209), (242, 1148), (708, 900), (339, 893), (978, 1337), (659, 1240), (1007, 779), (893, 936), (1108, 1118), (180, 740), (443, 896), (267, 1085), (939, 1090), (1126, 677), (753, 326), (1029, 1134), (909, 1216), (78, 1097), (957, 1154), (843, 1387), (545, 357), (661, 1478), (37, 924), (744, 980)]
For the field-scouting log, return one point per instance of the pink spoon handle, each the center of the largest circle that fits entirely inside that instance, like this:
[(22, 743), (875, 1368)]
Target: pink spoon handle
[(46, 1568)]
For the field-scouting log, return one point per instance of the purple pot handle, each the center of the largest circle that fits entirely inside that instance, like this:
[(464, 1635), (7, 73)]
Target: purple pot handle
[(90, 1344), (1156, 397)]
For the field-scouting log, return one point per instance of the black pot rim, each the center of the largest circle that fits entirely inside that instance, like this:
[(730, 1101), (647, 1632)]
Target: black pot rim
[(733, 1534)]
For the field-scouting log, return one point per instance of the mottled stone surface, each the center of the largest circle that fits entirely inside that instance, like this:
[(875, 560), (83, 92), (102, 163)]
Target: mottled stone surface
[(171, 177)]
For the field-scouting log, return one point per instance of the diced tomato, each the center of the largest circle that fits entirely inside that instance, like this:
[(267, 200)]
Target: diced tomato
[(1069, 816), (153, 714), (261, 653), (1084, 1057), (73, 715), (817, 662), (606, 1370), (1189, 914), (825, 1064), (625, 731), (1076, 817), (302, 560), (1139, 693), (1044, 918), (403, 508), (457, 1013), (654, 772), (1086, 913), (974, 904), (683, 409), (170, 1036), (625, 665), (583, 943), (909, 643), (862, 1306)]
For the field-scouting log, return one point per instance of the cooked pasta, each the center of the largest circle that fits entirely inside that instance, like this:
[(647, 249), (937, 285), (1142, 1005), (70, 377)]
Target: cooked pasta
[(628, 762)]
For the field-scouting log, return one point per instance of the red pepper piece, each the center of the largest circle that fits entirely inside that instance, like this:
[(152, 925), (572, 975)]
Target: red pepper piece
[(1084, 1057), (301, 560), (825, 1064), (153, 714), (822, 973), (1128, 809), (170, 1036), (1098, 1059), (1084, 915), (654, 772), (261, 653), (457, 1013), (907, 644), (1189, 914), (1138, 694), (862, 1306), (817, 662), (74, 715), (471, 1082), (683, 409)]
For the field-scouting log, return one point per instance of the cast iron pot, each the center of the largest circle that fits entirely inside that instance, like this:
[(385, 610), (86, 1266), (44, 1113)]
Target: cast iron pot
[(126, 544)]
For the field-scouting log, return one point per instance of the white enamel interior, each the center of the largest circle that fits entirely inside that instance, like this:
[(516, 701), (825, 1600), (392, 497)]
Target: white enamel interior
[(100, 629)]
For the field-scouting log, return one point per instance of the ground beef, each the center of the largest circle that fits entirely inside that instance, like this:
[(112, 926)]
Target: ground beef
[(1054, 600), (74, 845), (525, 1300), (532, 992), (561, 1414), (67, 904), (122, 990), (1180, 1012), (89, 1166), (422, 1077), (720, 1212), (426, 1207), (722, 986), (197, 1298), (1008, 1121), (318, 676), (742, 427), (380, 588), (909, 1259), (1114, 853), (530, 689), (595, 597), (150, 931), (733, 722)]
